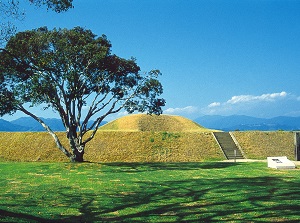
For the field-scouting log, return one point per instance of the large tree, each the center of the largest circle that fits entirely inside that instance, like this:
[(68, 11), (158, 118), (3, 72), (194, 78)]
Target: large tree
[(74, 73), (10, 11)]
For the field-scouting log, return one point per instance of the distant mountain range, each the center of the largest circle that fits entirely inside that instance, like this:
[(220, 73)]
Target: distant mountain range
[(225, 123), (243, 123), (28, 124)]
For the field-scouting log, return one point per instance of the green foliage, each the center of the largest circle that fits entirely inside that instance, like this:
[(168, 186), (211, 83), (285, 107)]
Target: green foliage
[(55, 5), (11, 11), (61, 66), (148, 192), (169, 135)]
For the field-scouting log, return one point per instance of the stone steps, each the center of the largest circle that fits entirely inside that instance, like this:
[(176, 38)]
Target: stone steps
[(226, 143)]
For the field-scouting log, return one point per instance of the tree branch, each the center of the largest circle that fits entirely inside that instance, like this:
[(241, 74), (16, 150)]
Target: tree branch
[(48, 129)]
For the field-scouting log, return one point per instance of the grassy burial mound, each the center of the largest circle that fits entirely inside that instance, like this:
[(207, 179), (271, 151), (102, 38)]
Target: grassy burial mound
[(134, 138), (142, 122), (153, 147), (143, 138)]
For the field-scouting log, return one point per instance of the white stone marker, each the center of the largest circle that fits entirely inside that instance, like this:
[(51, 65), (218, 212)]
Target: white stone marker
[(280, 162)]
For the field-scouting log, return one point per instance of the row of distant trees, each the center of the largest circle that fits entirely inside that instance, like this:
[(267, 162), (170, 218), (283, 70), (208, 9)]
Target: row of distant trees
[(71, 71)]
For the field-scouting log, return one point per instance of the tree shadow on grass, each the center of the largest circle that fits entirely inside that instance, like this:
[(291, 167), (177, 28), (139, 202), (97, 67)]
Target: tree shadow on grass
[(254, 199), (9, 216), (141, 167), (240, 199), (243, 199)]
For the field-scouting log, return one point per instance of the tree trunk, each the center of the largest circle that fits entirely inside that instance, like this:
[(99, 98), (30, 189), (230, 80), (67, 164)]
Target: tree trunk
[(77, 149), (75, 145), (77, 156)]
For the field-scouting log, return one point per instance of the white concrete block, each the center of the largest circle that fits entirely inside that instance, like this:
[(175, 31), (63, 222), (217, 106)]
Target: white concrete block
[(280, 162)]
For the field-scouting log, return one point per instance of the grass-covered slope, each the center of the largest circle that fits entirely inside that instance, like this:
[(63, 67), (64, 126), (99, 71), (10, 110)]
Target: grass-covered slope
[(142, 138), (153, 147), (260, 145), (115, 146), (30, 146), (134, 138)]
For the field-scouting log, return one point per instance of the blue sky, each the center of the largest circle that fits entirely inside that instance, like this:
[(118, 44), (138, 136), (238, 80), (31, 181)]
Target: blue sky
[(218, 57)]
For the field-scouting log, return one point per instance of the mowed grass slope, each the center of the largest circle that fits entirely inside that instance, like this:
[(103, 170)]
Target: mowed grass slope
[(30, 146), (154, 123), (259, 145), (153, 147), (135, 138), (144, 138)]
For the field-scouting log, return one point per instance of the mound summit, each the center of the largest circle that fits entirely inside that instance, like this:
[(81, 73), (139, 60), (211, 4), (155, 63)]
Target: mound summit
[(154, 123)]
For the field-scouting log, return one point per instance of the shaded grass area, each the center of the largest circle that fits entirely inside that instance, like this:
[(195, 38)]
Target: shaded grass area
[(148, 192)]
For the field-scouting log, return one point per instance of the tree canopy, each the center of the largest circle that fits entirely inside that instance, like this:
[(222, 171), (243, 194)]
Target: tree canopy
[(55, 5), (74, 73), (10, 11)]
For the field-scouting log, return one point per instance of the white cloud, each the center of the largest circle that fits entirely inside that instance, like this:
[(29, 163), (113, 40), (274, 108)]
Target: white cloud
[(269, 104), (214, 104), (187, 109), (264, 105), (263, 97)]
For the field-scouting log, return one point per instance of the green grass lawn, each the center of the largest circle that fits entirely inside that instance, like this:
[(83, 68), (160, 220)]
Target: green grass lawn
[(148, 192)]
